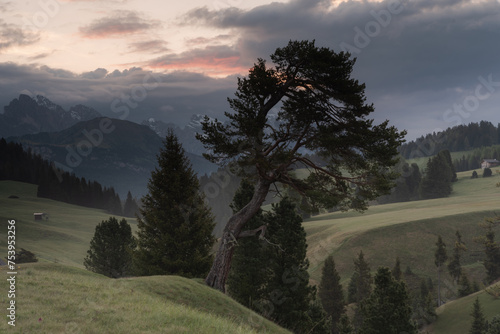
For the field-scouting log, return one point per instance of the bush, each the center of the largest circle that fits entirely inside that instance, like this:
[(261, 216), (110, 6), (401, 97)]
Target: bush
[(111, 248), (487, 172), (25, 256), (474, 175)]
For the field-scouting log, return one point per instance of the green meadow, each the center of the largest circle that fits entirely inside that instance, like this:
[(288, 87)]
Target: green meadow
[(57, 295), (54, 298), (408, 230)]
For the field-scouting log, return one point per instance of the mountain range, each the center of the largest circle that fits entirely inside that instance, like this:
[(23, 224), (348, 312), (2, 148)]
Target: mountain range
[(114, 152), (29, 115)]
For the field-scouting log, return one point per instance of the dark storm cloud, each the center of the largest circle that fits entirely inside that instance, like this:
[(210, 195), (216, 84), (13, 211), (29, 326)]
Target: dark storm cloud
[(121, 23), (417, 58), (134, 94)]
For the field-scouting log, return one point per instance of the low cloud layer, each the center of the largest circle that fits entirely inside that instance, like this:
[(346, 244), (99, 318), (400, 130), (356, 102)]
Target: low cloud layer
[(134, 94), (423, 61)]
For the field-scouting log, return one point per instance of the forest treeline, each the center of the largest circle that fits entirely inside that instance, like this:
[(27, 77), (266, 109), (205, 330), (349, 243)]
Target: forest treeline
[(472, 160), (16, 164), (458, 138)]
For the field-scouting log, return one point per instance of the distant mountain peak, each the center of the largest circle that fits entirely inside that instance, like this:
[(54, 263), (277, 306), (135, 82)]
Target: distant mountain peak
[(33, 114), (44, 102), (196, 120)]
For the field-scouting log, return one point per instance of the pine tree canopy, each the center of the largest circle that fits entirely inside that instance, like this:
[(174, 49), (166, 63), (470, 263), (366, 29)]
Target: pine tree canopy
[(307, 100)]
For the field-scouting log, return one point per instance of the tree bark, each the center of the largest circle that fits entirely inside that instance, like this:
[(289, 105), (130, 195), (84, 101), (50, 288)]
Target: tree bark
[(217, 276)]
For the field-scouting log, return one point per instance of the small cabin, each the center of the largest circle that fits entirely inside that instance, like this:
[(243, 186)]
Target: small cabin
[(41, 216), (488, 163)]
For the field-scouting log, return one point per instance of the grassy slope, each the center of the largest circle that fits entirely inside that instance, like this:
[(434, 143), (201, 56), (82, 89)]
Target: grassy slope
[(454, 317), (409, 230), (70, 299), (54, 298), (64, 238)]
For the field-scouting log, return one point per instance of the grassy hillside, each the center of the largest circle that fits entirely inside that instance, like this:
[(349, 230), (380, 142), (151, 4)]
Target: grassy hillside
[(64, 238), (53, 298), (171, 304), (454, 317), (408, 230), (69, 299)]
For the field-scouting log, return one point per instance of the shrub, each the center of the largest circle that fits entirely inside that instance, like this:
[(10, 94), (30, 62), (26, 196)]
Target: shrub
[(474, 175), (25, 256), (487, 172)]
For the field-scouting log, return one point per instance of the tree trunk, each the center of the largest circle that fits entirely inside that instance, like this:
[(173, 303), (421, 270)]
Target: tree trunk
[(217, 276)]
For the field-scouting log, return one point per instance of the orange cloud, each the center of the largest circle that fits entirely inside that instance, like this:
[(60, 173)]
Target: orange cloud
[(212, 61)]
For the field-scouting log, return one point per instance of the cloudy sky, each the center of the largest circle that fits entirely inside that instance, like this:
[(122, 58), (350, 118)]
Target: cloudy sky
[(427, 64)]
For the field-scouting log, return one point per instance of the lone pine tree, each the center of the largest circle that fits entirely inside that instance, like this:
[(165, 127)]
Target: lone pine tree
[(175, 227), (110, 252), (320, 108)]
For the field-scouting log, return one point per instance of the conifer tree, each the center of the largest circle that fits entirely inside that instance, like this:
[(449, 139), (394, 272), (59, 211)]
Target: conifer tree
[(446, 156), (424, 306), (360, 286), (175, 227), (454, 266), (396, 271), (492, 251), (438, 177), (494, 325), (319, 322), (479, 324), (440, 258), (361, 280), (287, 286), (130, 209), (344, 326), (321, 109), (247, 276), (111, 249), (331, 294), (465, 287), (387, 310)]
